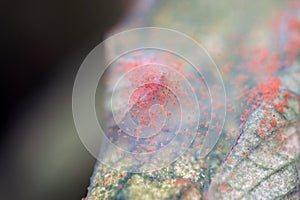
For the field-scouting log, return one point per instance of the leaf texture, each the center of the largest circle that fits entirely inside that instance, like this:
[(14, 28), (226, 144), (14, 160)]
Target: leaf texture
[(263, 166)]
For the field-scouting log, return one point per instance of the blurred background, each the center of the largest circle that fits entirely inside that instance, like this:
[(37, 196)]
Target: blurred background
[(42, 45)]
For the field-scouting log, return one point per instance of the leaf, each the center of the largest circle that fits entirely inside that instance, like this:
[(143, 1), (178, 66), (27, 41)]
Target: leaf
[(262, 166), (181, 180)]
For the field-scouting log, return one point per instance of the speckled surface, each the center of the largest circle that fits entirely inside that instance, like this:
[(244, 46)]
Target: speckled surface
[(257, 155)]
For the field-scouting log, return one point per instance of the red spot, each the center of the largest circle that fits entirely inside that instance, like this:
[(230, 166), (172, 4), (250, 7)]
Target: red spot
[(287, 95), (226, 68), (119, 131), (261, 133), (279, 136), (169, 114), (246, 112), (245, 154), (279, 106), (267, 91), (224, 187), (182, 181), (273, 122)]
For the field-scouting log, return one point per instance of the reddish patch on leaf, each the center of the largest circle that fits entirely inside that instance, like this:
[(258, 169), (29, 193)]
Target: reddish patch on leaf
[(224, 187), (267, 91), (182, 181)]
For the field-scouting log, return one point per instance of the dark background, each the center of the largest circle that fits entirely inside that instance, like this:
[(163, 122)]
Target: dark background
[(42, 44)]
